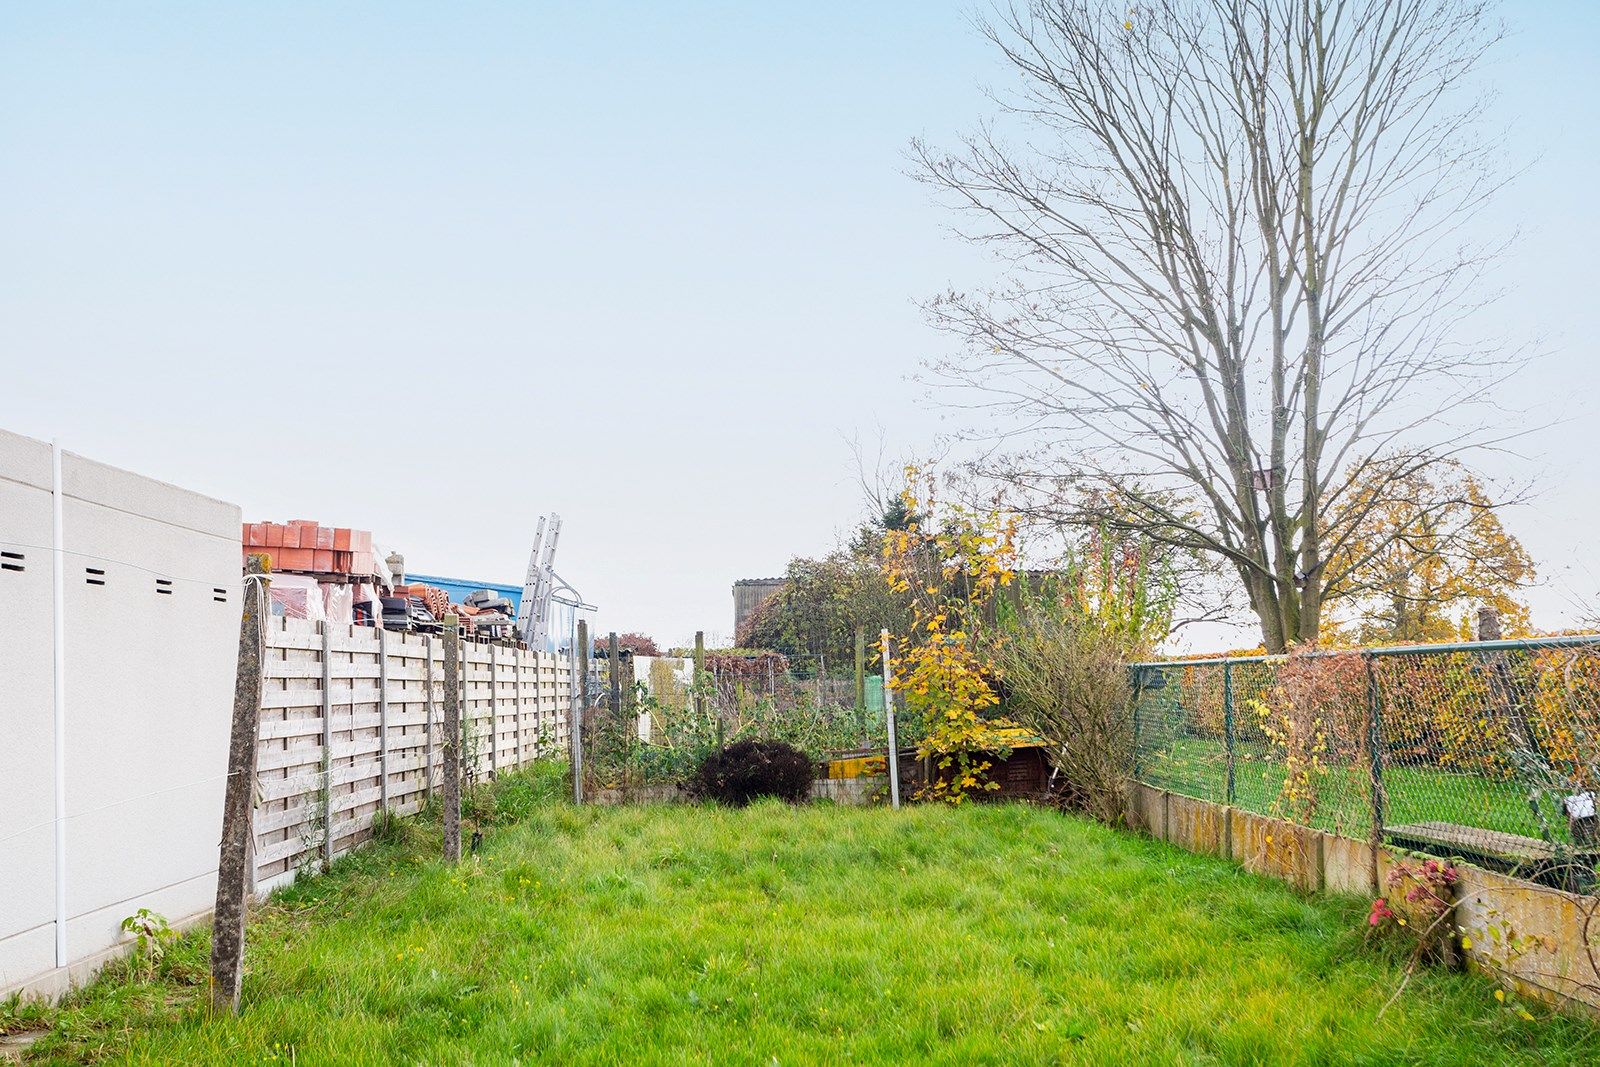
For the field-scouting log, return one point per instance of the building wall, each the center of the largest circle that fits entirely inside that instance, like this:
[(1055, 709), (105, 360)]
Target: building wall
[(151, 641), (748, 595)]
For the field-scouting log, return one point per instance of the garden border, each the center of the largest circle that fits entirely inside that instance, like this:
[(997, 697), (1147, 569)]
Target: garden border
[(1554, 964)]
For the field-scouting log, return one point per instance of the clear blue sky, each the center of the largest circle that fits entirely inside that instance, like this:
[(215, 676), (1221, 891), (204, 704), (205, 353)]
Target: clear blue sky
[(436, 269)]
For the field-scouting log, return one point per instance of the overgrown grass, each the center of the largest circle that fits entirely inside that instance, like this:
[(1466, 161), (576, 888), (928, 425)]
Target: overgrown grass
[(993, 933)]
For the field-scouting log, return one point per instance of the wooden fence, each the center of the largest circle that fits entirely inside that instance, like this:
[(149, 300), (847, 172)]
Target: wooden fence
[(351, 726)]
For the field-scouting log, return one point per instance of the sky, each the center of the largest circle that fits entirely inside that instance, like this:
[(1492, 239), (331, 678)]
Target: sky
[(436, 270)]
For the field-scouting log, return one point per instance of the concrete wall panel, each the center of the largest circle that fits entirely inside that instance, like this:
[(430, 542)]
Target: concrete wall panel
[(1280, 849), (1197, 825), (1545, 941), (27, 712), (152, 581), (1347, 866)]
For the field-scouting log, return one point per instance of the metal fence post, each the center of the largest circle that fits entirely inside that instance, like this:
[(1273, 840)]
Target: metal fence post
[(1375, 751), (1138, 699), (888, 708), (1228, 727), (580, 707)]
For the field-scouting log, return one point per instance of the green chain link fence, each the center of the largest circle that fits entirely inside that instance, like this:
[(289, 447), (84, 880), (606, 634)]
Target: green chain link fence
[(1487, 751)]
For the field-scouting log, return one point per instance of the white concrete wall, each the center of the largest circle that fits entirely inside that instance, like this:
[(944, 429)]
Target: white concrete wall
[(148, 693)]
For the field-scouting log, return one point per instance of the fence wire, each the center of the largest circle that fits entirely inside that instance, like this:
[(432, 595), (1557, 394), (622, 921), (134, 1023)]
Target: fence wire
[(660, 732), (1490, 753)]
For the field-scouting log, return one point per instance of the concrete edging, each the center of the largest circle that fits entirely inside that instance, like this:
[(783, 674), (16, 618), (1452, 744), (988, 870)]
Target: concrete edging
[(1537, 939)]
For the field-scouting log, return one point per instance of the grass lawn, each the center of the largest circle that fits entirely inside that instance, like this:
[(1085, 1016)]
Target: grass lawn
[(1198, 767), (995, 933)]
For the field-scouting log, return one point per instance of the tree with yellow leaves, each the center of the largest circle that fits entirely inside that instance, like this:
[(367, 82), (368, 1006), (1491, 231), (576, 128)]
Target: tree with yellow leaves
[(1423, 549), (949, 563)]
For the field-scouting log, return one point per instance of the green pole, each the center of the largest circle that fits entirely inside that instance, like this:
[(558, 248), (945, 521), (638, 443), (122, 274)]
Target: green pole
[(1375, 751), (1227, 725), (861, 670), (1138, 699)]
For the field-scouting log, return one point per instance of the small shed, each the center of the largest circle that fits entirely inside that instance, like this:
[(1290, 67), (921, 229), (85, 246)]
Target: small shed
[(1022, 774)]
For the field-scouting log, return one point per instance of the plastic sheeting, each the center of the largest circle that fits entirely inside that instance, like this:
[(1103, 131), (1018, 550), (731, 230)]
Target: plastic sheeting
[(298, 596), (367, 595), (339, 603)]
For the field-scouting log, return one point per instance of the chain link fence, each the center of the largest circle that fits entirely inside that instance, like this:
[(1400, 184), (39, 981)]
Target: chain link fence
[(1487, 751), (665, 719)]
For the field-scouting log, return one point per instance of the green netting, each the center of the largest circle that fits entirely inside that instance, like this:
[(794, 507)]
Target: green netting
[(1491, 754)]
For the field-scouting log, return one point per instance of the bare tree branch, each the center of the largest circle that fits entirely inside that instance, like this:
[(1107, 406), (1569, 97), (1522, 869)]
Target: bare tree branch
[(1231, 229)]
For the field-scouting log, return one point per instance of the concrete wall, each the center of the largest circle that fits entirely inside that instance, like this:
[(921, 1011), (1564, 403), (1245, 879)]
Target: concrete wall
[(1542, 941), (151, 613)]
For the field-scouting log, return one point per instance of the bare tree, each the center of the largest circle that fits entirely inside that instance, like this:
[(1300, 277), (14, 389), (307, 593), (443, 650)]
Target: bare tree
[(1232, 229)]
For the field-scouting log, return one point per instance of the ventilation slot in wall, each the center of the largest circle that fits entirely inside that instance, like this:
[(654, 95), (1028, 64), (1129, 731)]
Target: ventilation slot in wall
[(94, 576), (219, 595), (164, 586), (11, 561)]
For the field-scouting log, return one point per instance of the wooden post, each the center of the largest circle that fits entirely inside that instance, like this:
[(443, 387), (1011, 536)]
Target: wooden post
[(580, 704), (614, 667), (236, 856), (861, 668), (327, 745), (452, 740), (383, 721), (699, 669)]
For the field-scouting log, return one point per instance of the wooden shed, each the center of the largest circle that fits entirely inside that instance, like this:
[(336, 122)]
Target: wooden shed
[(1022, 774)]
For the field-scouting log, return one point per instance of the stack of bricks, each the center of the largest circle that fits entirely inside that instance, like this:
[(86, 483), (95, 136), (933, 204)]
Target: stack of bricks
[(435, 599), (302, 545)]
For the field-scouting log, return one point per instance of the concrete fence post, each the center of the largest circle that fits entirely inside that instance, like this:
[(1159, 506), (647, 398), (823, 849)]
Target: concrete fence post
[(327, 744), (427, 718), (516, 685), (236, 856), (452, 740), (383, 720), (579, 710)]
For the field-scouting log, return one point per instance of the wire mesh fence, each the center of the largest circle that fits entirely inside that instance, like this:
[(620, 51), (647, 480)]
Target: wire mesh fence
[(661, 722), (1489, 752)]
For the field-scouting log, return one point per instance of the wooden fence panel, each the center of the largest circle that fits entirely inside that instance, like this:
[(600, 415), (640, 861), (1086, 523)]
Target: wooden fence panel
[(321, 783)]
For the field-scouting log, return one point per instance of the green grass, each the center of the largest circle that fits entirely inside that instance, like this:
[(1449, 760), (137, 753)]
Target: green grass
[(1198, 767), (989, 934)]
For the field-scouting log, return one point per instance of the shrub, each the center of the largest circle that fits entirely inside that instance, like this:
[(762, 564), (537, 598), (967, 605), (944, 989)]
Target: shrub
[(1066, 680), (746, 770)]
